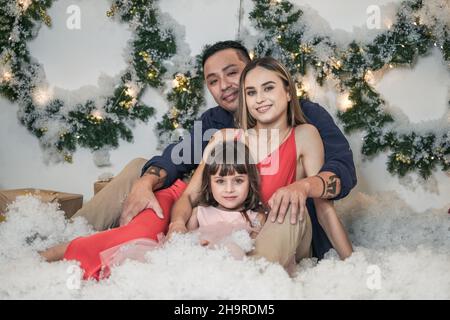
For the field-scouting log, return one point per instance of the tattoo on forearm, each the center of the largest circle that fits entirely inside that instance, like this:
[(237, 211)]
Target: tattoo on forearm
[(332, 186)]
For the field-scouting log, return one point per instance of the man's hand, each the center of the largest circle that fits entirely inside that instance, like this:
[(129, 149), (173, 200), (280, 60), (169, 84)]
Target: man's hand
[(141, 197), (291, 197), (176, 227)]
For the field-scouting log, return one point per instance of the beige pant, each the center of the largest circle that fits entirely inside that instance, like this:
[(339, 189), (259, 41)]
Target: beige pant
[(104, 209), (281, 242)]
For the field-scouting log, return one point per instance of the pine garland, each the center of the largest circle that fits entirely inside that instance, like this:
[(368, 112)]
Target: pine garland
[(281, 25), (62, 128)]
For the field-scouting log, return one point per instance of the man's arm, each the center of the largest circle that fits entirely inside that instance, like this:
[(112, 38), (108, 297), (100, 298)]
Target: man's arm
[(168, 170), (338, 172), (160, 172)]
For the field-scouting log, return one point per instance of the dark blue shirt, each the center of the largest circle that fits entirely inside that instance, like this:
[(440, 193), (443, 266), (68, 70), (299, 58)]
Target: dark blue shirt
[(338, 157)]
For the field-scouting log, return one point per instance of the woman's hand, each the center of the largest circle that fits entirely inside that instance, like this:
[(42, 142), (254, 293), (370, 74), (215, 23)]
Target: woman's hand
[(291, 197)]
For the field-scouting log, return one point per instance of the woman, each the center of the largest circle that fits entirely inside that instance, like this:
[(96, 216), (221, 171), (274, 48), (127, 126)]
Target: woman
[(268, 105)]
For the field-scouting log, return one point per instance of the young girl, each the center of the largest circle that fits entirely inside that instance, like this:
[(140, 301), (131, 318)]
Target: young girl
[(230, 198)]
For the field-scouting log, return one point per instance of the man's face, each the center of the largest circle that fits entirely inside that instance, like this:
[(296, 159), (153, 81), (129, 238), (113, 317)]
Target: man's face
[(222, 72)]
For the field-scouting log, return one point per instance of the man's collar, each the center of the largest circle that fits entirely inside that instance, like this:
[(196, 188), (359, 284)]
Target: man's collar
[(222, 116)]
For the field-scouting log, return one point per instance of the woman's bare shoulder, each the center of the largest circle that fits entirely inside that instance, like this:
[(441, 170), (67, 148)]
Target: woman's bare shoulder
[(307, 137), (306, 129)]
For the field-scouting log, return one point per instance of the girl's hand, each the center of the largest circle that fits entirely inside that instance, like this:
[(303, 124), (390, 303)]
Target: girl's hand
[(291, 197), (176, 227)]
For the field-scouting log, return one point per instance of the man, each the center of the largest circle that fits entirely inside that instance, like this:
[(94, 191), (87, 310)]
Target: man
[(223, 63)]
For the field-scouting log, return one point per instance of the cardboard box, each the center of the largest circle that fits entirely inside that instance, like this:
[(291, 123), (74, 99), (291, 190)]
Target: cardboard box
[(99, 185), (69, 202)]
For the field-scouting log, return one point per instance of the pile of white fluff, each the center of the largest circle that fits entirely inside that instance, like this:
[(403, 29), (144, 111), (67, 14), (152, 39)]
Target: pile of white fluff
[(399, 254)]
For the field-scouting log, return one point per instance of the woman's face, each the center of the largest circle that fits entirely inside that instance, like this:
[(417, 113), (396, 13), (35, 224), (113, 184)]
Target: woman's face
[(230, 191), (266, 96)]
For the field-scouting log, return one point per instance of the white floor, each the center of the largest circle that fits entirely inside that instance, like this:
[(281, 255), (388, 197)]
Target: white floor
[(400, 254)]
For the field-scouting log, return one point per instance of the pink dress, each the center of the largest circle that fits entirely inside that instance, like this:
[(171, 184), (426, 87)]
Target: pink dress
[(215, 228)]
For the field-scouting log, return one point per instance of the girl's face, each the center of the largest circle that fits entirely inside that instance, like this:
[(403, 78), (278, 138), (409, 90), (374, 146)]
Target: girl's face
[(266, 96), (230, 191)]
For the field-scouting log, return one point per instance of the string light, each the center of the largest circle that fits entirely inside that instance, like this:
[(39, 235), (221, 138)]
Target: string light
[(388, 23), (305, 48), (369, 77), (24, 4), (96, 116), (251, 54), (6, 76), (41, 96), (146, 57), (112, 11), (302, 88), (337, 64), (181, 82), (68, 158), (151, 74), (402, 158), (344, 103), (131, 90)]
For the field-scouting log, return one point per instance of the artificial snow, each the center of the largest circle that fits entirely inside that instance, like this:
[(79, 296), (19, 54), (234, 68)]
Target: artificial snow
[(399, 254)]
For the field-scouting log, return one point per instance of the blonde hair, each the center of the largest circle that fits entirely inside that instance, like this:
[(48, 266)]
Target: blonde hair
[(295, 114)]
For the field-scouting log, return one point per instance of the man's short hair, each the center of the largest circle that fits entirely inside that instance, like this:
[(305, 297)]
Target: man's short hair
[(223, 45)]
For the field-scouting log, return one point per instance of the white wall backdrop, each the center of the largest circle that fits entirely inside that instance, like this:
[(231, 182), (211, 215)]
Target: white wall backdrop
[(77, 58)]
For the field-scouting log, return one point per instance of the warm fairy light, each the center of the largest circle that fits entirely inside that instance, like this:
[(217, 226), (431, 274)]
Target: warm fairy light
[(177, 81), (302, 88), (97, 115), (252, 54), (337, 64), (344, 102), (173, 112), (132, 90), (24, 4), (299, 91), (388, 23), (391, 65), (6, 76), (305, 48), (369, 77), (41, 96), (181, 82)]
